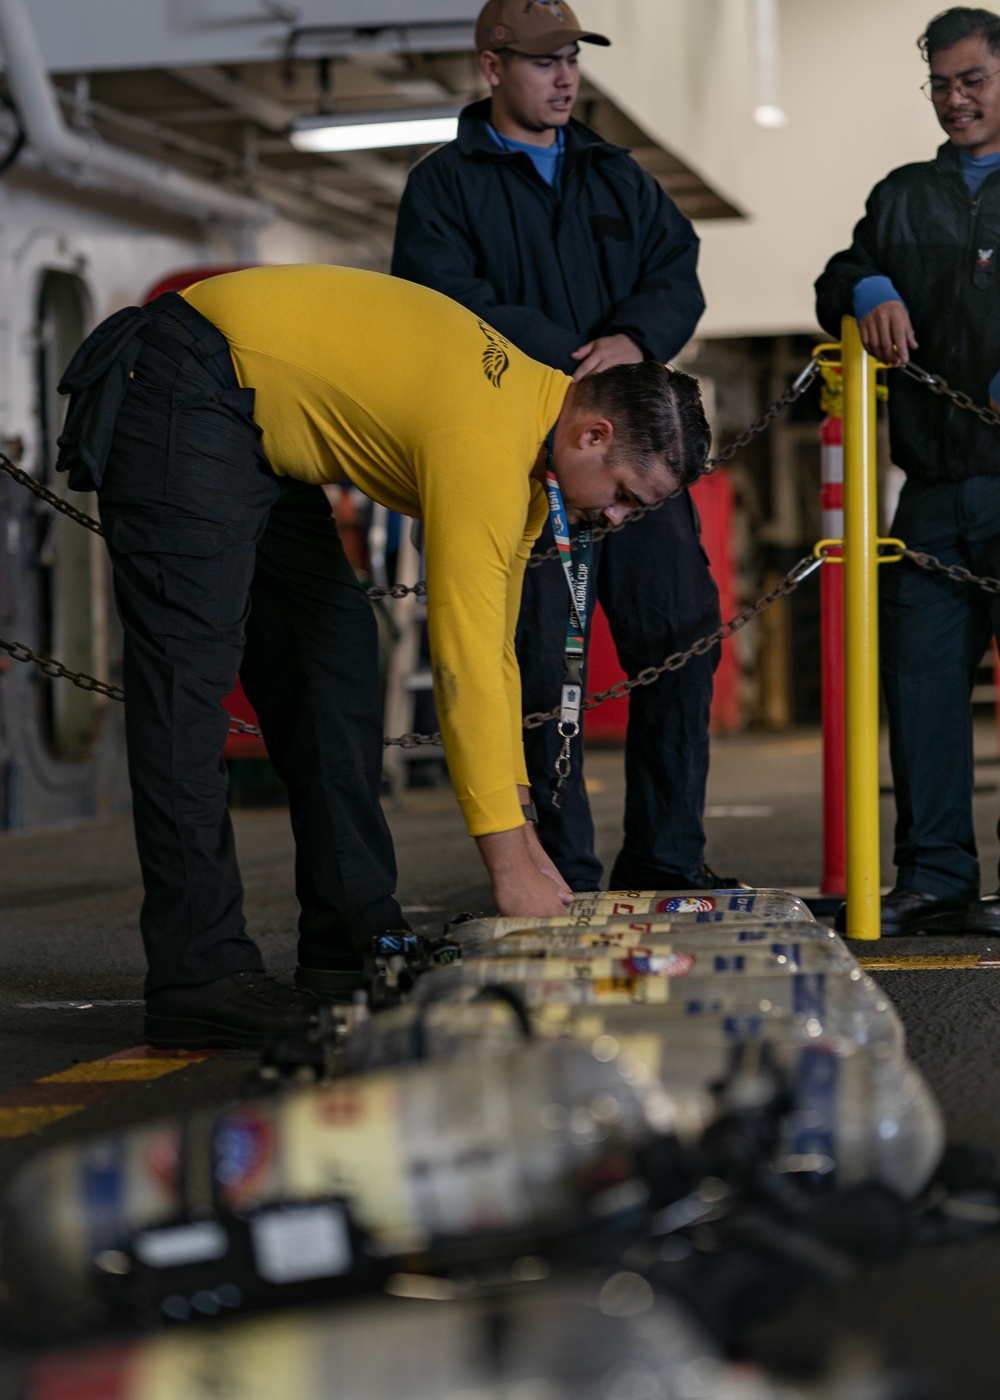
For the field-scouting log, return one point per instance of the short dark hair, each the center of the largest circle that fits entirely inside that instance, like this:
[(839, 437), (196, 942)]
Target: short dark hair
[(958, 23), (657, 413)]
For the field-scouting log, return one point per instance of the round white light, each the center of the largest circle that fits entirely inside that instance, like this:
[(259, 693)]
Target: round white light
[(770, 118)]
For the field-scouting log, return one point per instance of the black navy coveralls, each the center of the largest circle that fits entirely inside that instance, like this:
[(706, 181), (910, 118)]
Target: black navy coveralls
[(611, 254), (940, 246), (197, 524)]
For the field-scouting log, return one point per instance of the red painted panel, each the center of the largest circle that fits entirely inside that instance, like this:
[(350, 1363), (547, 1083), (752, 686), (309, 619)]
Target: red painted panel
[(713, 496)]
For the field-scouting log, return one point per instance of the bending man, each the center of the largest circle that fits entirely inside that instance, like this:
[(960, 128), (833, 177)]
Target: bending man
[(207, 422)]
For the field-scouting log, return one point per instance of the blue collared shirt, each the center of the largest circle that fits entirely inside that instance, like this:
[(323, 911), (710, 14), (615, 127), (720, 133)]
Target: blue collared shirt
[(547, 160)]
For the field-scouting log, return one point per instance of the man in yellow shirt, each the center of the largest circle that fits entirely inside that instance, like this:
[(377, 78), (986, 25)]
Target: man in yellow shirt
[(207, 423)]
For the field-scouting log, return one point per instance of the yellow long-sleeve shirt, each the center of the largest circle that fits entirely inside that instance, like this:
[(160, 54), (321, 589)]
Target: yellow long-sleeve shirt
[(434, 414)]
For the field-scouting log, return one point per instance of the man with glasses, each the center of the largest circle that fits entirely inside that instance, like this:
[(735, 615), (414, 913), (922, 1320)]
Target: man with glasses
[(921, 278), (564, 244)]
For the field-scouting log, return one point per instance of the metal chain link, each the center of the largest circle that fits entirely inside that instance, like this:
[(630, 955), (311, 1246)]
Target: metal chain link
[(397, 590), (674, 662), (953, 571), (801, 571), (964, 401), (50, 667), (758, 426), (795, 391), (940, 386), (56, 670), (49, 497)]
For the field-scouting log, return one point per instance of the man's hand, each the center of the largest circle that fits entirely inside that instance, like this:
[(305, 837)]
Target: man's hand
[(519, 886), (605, 351), (887, 333), (543, 862)]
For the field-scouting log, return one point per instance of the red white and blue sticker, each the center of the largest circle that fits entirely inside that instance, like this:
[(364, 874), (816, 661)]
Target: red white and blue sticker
[(686, 904), (642, 962), (243, 1151)]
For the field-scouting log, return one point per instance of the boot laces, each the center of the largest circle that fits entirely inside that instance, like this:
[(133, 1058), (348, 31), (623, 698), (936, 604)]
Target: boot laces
[(269, 991)]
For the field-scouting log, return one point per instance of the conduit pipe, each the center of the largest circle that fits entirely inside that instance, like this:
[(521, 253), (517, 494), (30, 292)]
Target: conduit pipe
[(87, 161)]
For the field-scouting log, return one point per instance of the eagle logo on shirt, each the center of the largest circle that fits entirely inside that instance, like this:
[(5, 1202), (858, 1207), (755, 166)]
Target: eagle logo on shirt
[(495, 357), (985, 258)]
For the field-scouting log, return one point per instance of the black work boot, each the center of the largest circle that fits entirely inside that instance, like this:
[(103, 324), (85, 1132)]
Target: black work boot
[(633, 875), (983, 915), (244, 1009), (907, 912), (331, 976)]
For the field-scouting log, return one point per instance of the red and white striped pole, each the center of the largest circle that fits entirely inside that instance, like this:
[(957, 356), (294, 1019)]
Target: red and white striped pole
[(831, 583)]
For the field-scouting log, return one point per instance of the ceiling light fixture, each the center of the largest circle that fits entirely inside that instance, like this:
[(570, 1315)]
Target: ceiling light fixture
[(769, 112), (370, 131)]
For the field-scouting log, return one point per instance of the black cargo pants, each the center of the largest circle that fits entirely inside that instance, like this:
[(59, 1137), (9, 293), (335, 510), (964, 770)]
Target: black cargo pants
[(221, 567)]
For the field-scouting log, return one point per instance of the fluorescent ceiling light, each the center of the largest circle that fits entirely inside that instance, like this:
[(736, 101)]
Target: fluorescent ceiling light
[(769, 112), (369, 131)]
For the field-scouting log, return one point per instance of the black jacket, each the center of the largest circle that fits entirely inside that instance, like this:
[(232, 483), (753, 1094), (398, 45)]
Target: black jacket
[(940, 246), (613, 253)]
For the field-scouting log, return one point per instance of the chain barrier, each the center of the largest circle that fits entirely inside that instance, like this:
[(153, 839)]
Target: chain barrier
[(58, 503), (940, 386), (955, 572), (674, 662), (795, 391), (787, 585), (49, 497), (57, 671), (937, 385), (398, 590), (795, 576)]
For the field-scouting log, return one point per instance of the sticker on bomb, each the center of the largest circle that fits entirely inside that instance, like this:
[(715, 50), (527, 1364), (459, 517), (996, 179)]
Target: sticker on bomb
[(643, 962), (244, 1154), (686, 904)]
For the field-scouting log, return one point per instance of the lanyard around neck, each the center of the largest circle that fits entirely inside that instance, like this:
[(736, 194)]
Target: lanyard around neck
[(575, 557)]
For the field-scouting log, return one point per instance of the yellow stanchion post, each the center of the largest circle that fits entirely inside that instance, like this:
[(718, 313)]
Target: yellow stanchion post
[(861, 635)]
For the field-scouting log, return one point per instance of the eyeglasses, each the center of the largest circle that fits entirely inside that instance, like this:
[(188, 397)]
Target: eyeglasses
[(968, 84)]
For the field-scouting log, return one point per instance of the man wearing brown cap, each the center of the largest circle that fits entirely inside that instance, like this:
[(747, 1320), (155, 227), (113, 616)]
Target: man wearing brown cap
[(561, 242)]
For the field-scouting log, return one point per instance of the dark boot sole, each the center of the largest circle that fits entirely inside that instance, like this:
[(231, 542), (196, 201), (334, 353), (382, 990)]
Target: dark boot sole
[(190, 1033), (982, 927), (327, 985)]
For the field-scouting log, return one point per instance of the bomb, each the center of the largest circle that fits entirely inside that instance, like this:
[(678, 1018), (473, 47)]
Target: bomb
[(699, 906), (328, 1188), (626, 930), (858, 1109)]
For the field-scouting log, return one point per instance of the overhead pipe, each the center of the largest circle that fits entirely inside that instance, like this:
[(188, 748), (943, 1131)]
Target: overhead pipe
[(87, 161)]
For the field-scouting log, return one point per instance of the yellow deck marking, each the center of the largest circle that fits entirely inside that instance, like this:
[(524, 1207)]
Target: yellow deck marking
[(18, 1122), (928, 962), (114, 1071), (28, 1107)]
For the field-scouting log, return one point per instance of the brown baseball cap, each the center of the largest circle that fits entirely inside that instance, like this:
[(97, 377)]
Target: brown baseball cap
[(533, 27)]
